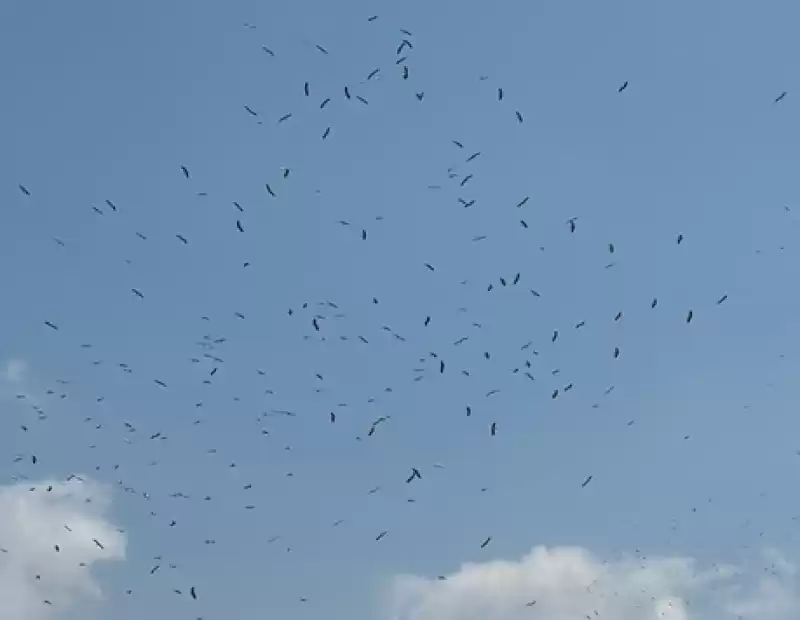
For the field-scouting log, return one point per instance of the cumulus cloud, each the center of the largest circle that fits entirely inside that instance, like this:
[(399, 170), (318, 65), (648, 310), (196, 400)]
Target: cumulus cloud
[(33, 521), (569, 583)]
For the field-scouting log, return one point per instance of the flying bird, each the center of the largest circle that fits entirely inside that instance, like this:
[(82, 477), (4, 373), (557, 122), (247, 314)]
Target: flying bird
[(587, 481), (185, 171), (623, 87), (24, 189), (414, 474), (375, 425), (780, 97)]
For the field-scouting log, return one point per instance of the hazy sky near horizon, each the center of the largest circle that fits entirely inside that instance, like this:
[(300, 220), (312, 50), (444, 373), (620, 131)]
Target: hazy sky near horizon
[(690, 433)]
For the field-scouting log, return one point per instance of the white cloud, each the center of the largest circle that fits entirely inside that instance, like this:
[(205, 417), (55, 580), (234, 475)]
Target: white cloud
[(31, 524), (569, 583)]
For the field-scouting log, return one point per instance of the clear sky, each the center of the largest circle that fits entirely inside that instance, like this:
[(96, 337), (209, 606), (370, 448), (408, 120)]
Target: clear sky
[(693, 452)]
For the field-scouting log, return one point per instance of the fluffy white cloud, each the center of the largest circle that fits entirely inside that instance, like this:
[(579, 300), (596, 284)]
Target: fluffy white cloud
[(569, 583), (70, 515)]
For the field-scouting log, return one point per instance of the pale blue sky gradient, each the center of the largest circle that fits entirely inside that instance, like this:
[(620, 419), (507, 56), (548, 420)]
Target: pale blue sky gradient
[(107, 100)]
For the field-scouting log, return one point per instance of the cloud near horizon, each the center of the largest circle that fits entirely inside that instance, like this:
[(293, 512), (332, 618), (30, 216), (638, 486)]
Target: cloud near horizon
[(32, 522), (569, 583)]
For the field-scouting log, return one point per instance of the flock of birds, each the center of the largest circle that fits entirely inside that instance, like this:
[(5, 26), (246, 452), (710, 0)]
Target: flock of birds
[(321, 317)]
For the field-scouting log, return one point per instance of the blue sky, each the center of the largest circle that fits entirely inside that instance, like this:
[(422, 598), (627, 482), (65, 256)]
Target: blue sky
[(106, 101)]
